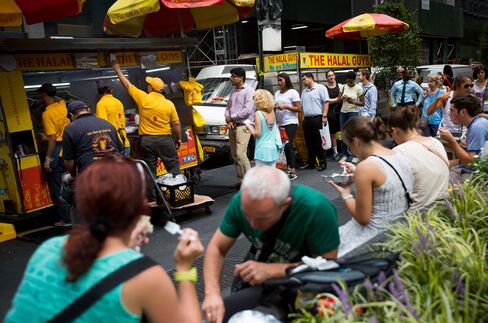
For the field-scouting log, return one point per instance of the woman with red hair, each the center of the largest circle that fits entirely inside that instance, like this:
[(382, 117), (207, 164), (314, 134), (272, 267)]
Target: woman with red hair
[(110, 196)]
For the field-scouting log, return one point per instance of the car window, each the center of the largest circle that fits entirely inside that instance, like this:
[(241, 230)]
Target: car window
[(217, 90), (427, 71), (462, 71)]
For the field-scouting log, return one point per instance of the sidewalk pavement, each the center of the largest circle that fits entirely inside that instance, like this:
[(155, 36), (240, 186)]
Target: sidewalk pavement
[(216, 183)]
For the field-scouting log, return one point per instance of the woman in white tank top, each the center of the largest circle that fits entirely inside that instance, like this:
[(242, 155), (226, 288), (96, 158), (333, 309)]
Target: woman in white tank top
[(382, 180)]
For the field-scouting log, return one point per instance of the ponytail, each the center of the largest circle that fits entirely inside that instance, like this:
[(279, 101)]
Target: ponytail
[(364, 129), (404, 118), (80, 251)]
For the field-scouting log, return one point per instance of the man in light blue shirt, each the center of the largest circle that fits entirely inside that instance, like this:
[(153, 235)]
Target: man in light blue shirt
[(465, 110), (402, 92), (315, 103), (367, 106)]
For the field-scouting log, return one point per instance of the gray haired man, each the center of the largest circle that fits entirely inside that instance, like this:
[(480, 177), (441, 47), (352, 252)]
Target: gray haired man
[(307, 226)]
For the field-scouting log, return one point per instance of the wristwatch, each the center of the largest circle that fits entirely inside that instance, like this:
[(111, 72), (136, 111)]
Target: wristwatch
[(190, 275)]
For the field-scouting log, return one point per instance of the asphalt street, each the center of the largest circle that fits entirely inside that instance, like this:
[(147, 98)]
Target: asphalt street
[(215, 182)]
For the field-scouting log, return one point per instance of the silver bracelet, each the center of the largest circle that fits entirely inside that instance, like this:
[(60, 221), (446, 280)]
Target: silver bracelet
[(347, 197)]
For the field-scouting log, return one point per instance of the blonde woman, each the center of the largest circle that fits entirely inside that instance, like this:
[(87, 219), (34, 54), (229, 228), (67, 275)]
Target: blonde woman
[(434, 82), (265, 129)]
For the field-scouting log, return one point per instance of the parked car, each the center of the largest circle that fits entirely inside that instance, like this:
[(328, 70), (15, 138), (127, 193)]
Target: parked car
[(425, 70)]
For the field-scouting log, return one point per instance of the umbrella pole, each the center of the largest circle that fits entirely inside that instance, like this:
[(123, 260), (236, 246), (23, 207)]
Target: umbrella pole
[(261, 58), (180, 22)]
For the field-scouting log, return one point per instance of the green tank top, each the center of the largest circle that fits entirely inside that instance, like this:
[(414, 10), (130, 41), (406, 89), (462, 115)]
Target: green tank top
[(44, 292)]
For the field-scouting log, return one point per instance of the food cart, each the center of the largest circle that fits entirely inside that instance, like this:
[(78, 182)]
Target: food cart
[(73, 66)]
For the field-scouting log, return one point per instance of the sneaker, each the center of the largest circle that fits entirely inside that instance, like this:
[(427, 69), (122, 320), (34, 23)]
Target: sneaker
[(355, 160), (306, 166), (322, 167), (292, 176), (337, 156), (61, 223)]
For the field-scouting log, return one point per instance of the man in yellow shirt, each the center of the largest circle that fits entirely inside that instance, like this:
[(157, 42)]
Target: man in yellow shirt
[(157, 116), (54, 120), (112, 110)]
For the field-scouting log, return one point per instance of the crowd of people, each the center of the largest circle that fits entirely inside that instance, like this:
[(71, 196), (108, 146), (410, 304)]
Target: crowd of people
[(436, 134), (76, 136)]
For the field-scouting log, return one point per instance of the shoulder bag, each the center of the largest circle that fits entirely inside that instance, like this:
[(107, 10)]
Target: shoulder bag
[(407, 194), (269, 238), (90, 297)]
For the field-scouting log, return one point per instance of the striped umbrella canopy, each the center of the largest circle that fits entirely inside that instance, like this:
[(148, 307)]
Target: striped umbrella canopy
[(366, 25), (35, 11), (162, 17)]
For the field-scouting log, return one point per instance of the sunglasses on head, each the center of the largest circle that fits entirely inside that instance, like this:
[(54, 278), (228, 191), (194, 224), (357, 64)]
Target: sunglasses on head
[(466, 86)]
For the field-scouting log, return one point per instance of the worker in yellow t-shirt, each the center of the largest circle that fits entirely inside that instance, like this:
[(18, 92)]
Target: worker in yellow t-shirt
[(54, 120), (157, 116), (111, 109)]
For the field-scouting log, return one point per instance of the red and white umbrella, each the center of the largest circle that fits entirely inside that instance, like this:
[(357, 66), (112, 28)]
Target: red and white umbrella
[(35, 11), (162, 17), (366, 25)]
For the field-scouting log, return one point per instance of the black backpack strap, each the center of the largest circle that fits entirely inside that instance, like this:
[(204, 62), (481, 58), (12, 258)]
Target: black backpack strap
[(269, 236), (90, 297), (407, 194)]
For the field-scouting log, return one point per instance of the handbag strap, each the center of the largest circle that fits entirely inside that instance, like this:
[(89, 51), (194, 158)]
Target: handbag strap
[(90, 297), (269, 236), (432, 151), (407, 194)]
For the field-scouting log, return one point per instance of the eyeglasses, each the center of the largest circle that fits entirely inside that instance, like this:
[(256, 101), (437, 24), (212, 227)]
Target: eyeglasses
[(467, 86)]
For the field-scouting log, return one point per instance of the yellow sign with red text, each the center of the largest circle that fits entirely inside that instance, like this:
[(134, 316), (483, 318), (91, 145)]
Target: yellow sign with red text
[(333, 60), (281, 62), (289, 61), (45, 62), (56, 62)]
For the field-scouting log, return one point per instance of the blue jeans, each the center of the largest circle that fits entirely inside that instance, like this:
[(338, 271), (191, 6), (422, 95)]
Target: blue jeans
[(343, 119)]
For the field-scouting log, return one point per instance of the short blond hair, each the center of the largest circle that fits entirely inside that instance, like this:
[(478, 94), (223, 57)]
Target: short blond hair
[(436, 78), (264, 101)]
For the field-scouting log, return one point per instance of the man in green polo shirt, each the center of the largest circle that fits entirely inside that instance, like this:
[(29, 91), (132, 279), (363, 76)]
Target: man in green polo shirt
[(309, 227)]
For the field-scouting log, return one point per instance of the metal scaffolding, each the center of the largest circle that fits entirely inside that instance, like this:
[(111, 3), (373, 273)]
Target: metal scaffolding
[(215, 46)]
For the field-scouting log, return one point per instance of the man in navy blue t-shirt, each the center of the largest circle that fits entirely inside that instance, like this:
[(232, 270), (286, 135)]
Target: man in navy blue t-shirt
[(87, 138)]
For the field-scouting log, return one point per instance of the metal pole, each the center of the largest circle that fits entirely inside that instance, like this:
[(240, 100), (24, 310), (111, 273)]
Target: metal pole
[(261, 57)]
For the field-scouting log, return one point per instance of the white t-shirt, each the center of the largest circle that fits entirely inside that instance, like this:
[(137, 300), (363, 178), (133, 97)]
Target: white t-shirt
[(481, 93), (285, 117), (446, 121), (430, 173), (354, 93)]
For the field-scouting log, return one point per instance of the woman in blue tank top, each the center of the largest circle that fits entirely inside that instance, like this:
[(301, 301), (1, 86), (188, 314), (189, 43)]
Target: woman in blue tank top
[(110, 196), (268, 141)]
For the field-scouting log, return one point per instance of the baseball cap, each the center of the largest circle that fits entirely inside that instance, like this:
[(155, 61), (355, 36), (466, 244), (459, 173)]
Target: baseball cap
[(47, 88), (75, 105), (156, 83)]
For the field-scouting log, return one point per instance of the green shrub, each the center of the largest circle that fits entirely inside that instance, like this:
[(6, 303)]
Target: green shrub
[(442, 274)]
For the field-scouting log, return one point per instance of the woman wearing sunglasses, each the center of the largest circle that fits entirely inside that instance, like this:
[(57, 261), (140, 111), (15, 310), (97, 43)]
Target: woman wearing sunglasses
[(463, 85)]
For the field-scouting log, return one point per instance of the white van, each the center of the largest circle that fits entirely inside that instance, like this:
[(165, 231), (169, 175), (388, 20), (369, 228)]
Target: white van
[(215, 94)]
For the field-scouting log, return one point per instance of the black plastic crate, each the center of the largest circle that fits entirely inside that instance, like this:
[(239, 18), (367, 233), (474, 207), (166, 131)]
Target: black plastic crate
[(178, 195)]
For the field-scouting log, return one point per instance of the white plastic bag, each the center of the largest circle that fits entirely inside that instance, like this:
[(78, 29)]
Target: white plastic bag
[(281, 162), (325, 136)]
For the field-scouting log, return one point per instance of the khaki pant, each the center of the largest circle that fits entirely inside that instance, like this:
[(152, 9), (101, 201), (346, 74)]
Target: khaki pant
[(238, 140)]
